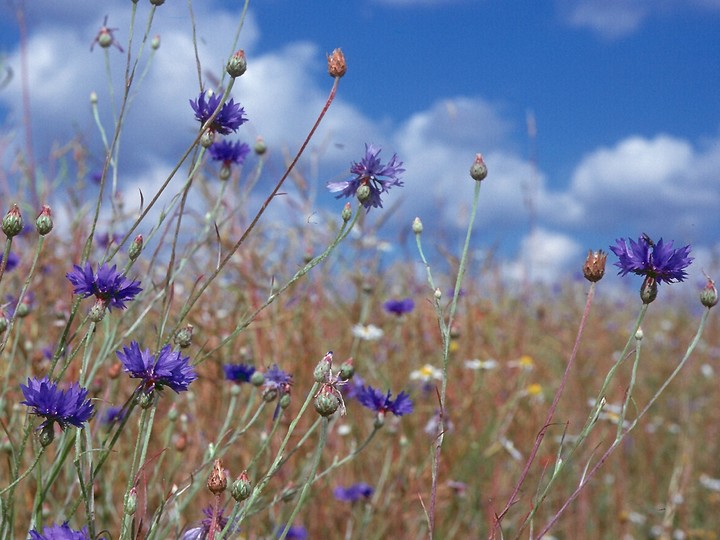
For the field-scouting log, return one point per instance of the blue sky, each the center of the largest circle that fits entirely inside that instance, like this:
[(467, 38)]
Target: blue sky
[(623, 93)]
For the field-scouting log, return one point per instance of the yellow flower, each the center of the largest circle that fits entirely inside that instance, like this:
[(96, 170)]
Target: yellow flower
[(534, 389), (526, 361), (454, 346)]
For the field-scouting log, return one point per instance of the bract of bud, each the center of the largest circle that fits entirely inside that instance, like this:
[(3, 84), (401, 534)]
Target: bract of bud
[(648, 290), (709, 294), (157, 2), (237, 65), (131, 502), (594, 267), (146, 399), (225, 172), (183, 338), (326, 402), (417, 226), (12, 223), (104, 38), (207, 139), (22, 310), (260, 146), (47, 435), (135, 248), (346, 213), (155, 43), (285, 401), (347, 370), (269, 394), (97, 312), (217, 481), (241, 488), (44, 222), (336, 64), (257, 379), (478, 170), (323, 369), (639, 335)]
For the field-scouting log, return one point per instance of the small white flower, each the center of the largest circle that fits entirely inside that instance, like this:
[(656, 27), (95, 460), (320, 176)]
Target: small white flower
[(477, 364), (426, 374), (369, 332)]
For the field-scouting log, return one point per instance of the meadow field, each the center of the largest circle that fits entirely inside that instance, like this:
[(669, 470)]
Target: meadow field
[(195, 367)]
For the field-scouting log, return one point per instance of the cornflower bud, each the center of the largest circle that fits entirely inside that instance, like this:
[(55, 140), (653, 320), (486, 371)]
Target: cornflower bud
[(183, 338), (323, 370), (336, 64), (285, 401), (135, 248), (478, 171), (648, 290), (709, 295), (237, 65), (257, 379), (260, 146), (241, 488), (326, 402), (594, 267), (131, 502), (347, 370), (155, 43), (417, 226), (12, 223), (44, 222), (346, 213)]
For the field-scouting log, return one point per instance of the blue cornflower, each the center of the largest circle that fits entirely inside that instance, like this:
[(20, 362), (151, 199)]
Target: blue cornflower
[(201, 531), (399, 307), (113, 415), (168, 368), (354, 492), (105, 240), (60, 532), (277, 379), (381, 403), (108, 285), (228, 120), (66, 407), (12, 261), (370, 174), (298, 532), (658, 261), (238, 373), (229, 152), (353, 388)]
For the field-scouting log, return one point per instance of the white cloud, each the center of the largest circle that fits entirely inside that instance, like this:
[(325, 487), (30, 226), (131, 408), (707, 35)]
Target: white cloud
[(544, 256)]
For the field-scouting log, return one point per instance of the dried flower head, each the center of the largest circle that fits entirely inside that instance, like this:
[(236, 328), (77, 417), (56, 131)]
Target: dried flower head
[(594, 267), (336, 63)]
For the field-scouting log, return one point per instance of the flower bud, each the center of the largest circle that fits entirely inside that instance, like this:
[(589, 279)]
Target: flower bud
[(183, 338), (594, 267), (135, 248), (260, 146), (478, 171), (207, 139), (269, 394), (104, 38), (237, 65), (326, 402), (47, 435), (155, 43), (347, 370), (44, 222), (12, 223), (438, 294), (97, 312), (225, 172), (323, 370), (157, 2), (363, 192), (709, 295), (648, 290), (257, 379), (417, 226), (131, 502), (217, 481), (146, 399), (285, 401), (336, 64), (346, 213), (93, 98), (639, 335), (241, 488)]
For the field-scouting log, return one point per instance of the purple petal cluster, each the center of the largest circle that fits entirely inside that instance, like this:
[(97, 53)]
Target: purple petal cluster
[(276, 378), (238, 373), (298, 532), (229, 152), (107, 285), (228, 120), (201, 531), (381, 403), (66, 407), (354, 492), (656, 260), (372, 173), (399, 307), (60, 532), (12, 261), (168, 368)]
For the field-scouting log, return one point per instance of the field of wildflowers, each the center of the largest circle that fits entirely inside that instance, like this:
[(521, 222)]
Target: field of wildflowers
[(191, 369)]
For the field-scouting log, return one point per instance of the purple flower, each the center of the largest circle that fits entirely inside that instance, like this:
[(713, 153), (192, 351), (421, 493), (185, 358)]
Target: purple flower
[(168, 368), (370, 172), (354, 492), (105, 240), (12, 261), (108, 285), (238, 373), (296, 531), (201, 531), (399, 307), (113, 415), (655, 260), (376, 401), (229, 152), (66, 407), (60, 532), (228, 120), (277, 379)]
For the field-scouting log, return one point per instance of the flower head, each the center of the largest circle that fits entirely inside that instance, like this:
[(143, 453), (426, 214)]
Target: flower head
[(201, 531), (368, 333), (371, 175), (66, 407), (228, 120), (376, 401), (658, 261), (354, 492), (298, 532), (113, 415), (238, 373), (277, 379), (60, 532), (399, 307), (107, 285), (168, 368), (12, 261), (229, 152)]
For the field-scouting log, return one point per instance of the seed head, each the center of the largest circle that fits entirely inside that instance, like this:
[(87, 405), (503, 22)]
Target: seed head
[(217, 481), (594, 267), (336, 64)]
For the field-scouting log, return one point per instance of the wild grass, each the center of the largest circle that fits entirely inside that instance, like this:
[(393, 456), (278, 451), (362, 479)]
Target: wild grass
[(481, 359)]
